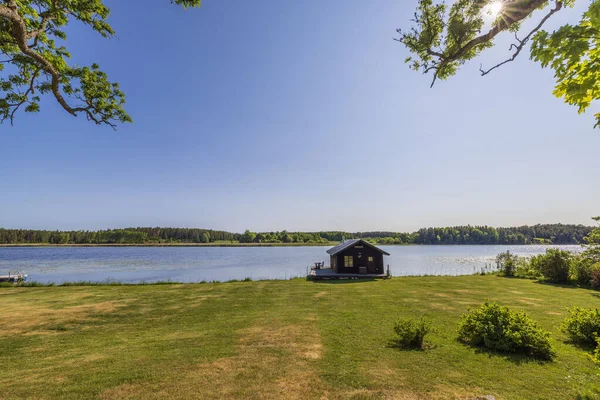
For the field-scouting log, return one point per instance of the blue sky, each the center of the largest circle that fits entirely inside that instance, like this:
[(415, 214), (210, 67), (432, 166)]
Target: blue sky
[(297, 115)]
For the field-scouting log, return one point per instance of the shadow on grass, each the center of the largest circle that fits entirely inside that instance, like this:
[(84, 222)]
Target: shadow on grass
[(108, 282), (586, 396), (515, 358), (564, 285), (342, 281), (584, 346), (394, 344), (426, 346)]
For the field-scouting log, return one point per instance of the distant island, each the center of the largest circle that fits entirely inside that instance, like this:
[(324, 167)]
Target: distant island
[(455, 235)]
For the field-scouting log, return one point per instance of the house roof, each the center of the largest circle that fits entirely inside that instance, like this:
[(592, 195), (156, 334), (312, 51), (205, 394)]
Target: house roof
[(352, 242)]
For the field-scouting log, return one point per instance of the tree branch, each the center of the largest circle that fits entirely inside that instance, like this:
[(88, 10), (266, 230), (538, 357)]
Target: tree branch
[(20, 34), (43, 25), (510, 16), (523, 42), (31, 89), (426, 40)]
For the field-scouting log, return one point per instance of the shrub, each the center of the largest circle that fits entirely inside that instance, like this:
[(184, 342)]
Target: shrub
[(411, 333), (581, 270), (499, 328), (593, 243), (583, 325), (555, 265), (596, 355), (507, 263), (596, 276), (526, 270)]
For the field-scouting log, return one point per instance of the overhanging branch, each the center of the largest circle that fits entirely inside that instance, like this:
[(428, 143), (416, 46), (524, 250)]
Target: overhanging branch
[(442, 61), (21, 35), (523, 42)]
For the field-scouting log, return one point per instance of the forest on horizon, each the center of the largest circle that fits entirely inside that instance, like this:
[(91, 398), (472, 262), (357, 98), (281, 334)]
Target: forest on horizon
[(535, 234)]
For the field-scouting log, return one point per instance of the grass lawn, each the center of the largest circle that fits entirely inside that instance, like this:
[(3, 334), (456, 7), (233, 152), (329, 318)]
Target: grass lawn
[(278, 339)]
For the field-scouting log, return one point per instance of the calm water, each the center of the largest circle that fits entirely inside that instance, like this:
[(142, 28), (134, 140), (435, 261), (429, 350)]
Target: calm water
[(193, 264)]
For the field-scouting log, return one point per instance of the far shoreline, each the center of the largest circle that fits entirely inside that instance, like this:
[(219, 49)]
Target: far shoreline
[(8, 245), (169, 244)]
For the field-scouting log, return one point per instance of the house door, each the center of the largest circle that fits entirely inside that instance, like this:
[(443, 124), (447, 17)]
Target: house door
[(360, 262), (371, 265)]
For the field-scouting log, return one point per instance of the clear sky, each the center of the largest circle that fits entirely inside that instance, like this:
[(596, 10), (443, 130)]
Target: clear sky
[(298, 115)]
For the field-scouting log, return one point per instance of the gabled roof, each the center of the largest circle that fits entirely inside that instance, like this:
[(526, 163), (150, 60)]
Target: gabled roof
[(352, 242)]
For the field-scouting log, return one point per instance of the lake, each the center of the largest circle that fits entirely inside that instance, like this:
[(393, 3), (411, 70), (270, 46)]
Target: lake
[(194, 264)]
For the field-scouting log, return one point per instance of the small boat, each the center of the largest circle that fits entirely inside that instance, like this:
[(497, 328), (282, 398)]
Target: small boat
[(14, 276)]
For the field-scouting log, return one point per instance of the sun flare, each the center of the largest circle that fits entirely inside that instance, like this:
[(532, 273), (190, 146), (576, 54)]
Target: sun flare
[(495, 8)]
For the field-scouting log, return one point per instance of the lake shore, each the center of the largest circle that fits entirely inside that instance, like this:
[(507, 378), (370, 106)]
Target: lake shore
[(183, 263), (168, 244), (329, 244)]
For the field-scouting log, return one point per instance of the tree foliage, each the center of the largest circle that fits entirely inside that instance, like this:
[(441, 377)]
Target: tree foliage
[(548, 233), (443, 38), (34, 60), (593, 243), (506, 263), (120, 236), (554, 265)]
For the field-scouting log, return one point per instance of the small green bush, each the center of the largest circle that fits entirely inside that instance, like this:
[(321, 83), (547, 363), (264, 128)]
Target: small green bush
[(534, 263), (583, 325), (582, 269), (499, 328), (555, 265), (596, 276), (411, 333), (526, 270), (596, 355), (507, 263)]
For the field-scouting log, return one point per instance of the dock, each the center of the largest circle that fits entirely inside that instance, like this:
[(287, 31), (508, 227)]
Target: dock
[(14, 276), (330, 274)]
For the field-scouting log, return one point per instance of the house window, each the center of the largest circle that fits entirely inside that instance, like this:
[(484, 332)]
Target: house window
[(348, 261), (370, 259)]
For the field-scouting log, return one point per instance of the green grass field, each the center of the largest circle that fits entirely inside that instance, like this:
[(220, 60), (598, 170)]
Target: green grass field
[(278, 339)]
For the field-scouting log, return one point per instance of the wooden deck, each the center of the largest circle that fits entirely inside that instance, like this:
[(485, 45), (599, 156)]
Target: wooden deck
[(328, 273), (13, 277)]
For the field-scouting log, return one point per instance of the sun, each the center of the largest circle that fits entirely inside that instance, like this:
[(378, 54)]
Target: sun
[(495, 8)]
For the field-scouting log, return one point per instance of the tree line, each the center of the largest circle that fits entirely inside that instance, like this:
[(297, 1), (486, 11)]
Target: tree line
[(116, 236), (542, 234)]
